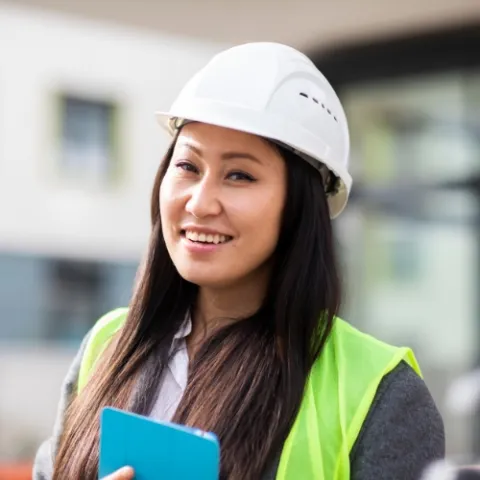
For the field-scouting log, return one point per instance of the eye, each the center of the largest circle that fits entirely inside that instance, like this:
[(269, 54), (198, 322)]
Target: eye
[(240, 176), (187, 166)]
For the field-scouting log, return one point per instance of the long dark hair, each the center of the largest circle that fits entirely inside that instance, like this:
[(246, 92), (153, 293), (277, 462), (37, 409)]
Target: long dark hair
[(247, 380)]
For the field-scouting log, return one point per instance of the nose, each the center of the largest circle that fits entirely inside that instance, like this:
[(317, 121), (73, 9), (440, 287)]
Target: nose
[(204, 200)]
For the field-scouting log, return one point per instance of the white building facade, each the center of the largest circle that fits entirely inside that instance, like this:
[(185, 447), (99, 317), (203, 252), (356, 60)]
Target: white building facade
[(79, 148)]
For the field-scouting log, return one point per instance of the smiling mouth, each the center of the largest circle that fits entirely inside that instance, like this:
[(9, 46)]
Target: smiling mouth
[(207, 238)]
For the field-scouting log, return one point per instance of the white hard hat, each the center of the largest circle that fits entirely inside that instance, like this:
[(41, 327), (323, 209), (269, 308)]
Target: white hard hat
[(276, 92)]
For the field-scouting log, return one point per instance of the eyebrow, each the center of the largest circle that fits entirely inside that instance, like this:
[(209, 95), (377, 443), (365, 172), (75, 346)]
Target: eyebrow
[(224, 156)]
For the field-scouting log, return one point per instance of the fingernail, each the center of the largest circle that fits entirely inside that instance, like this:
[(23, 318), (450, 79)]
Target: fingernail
[(126, 470)]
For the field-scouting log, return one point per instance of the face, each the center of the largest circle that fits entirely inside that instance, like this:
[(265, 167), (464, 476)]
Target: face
[(221, 203)]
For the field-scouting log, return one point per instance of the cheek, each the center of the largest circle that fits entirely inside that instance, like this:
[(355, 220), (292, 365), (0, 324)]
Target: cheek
[(164, 208), (164, 201), (258, 215), (170, 207)]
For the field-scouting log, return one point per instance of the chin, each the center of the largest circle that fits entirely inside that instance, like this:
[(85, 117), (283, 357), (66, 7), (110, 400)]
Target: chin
[(204, 279)]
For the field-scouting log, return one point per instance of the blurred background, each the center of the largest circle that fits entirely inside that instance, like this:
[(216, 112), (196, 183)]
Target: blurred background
[(79, 146)]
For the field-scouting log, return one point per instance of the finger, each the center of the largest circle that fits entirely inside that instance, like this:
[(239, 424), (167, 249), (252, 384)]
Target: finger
[(125, 473)]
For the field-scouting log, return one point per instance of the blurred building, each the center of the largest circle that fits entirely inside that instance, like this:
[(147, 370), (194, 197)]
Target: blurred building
[(79, 148), (79, 82), (411, 233)]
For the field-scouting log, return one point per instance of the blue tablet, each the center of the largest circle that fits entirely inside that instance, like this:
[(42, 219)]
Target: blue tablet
[(156, 450)]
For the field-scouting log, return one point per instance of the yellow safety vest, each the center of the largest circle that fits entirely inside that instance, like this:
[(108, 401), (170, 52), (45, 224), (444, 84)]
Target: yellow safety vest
[(338, 395)]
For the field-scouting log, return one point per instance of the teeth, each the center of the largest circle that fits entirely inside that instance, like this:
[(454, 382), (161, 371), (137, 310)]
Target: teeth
[(206, 238)]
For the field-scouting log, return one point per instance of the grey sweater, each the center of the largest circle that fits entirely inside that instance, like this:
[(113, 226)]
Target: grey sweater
[(402, 434)]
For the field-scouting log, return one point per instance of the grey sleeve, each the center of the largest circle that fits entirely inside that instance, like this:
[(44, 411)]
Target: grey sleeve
[(43, 463), (403, 432)]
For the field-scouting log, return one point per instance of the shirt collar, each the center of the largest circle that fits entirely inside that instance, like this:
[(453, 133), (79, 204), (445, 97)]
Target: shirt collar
[(186, 328)]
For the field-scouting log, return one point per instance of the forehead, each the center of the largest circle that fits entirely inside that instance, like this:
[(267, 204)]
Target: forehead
[(211, 139)]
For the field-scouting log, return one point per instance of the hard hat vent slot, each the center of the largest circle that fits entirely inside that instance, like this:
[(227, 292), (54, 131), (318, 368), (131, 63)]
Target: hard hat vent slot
[(303, 94)]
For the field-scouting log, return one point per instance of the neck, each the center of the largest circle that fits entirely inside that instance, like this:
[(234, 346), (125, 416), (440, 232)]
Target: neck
[(218, 307)]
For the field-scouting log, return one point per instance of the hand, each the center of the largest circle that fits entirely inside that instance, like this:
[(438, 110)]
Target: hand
[(125, 473)]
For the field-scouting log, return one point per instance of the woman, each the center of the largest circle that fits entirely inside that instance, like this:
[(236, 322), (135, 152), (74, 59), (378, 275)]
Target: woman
[(232, 327)]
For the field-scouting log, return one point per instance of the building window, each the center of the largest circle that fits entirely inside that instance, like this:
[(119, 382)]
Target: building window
[(73, 300), (58, 299), (88, 150)]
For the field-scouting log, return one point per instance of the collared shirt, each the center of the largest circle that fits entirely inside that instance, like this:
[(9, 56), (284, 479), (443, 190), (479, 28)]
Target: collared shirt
[(175, 378)]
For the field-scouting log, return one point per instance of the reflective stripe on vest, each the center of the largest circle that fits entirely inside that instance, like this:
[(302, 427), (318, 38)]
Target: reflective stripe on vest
[(338, 395)]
